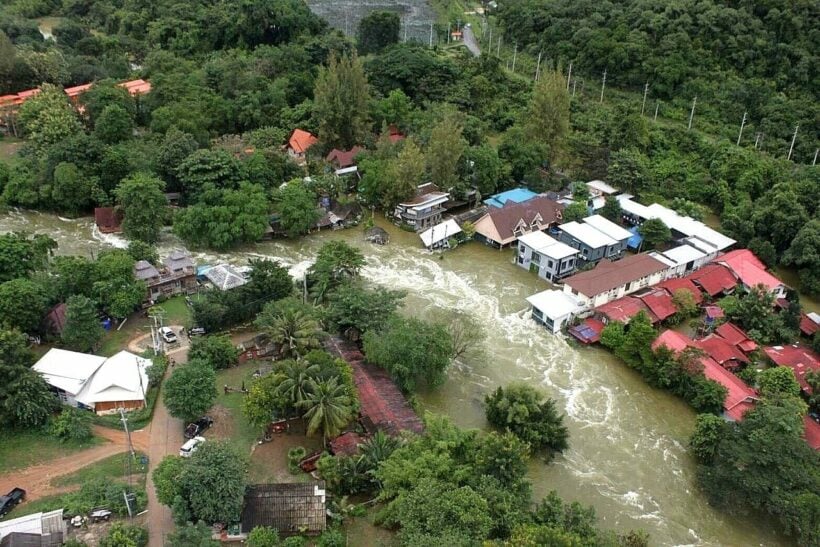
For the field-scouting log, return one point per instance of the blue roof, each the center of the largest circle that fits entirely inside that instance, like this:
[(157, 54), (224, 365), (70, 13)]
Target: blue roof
[(516, 195), (635, 241)]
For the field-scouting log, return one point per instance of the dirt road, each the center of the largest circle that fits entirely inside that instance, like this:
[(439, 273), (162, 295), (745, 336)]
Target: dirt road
[(36, 480), (165, 437)]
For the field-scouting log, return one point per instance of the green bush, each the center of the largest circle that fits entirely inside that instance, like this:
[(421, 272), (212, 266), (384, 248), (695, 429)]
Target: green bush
[(295, 455), (124, 535), (156, 372), (72, 424)]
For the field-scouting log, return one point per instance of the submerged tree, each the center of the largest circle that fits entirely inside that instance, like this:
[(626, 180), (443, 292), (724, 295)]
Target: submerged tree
[(529, 414)]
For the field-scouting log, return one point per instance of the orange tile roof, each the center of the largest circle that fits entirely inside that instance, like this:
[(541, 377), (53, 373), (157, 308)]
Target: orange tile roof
[(300, 140)]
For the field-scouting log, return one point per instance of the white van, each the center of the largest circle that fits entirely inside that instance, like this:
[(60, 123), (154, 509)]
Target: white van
[(191, 446)]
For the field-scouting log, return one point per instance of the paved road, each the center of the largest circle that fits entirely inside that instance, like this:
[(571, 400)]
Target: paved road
[(470, 41), (165, 438)]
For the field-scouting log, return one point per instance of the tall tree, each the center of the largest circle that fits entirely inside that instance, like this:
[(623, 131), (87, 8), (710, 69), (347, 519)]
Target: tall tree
[(404, 174), (445, 151), (328, 407), (143, 202), (216, 350), (528, 414), (293, 329), (22, 254), (48, 118), (190, 391), (23, 304), (82, 328), (655, 232), (547, 119), (114, 125), (213, 482), (72, 191), (377, 30), (341, 102), (25, 400), (298, 208)]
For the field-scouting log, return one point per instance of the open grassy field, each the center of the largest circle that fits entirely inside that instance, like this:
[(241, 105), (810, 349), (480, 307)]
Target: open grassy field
[(113, 467), (176, 310), (20, 449)]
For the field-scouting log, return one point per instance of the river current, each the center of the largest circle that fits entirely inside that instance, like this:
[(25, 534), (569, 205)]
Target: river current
[(627, 454)]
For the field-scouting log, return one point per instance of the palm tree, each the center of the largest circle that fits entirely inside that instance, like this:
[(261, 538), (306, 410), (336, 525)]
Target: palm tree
[(375, 450), (295, 383), (294, 331), (327, 407)]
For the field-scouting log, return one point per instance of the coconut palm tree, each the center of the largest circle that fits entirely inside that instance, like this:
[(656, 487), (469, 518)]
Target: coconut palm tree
[(294, 331), (296, 376), (375, 450), (327, 407)]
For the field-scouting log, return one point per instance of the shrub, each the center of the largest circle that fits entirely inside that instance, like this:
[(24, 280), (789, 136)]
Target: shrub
[(156, 372), (124, 535), (295, 455), (72, 424)]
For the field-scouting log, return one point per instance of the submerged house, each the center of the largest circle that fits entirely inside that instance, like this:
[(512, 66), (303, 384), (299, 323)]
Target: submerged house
[(100, 384), (593, 243), (108, 219), (502, 226), (554, 309), (439, 235), (424, 209), (612, 280), (546, 256)]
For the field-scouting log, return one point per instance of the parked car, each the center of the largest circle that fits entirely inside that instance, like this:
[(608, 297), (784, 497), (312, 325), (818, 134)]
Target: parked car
[(197, 331), (191, 446), (196, 428), (11, 500), (99, 514), (168, 334)]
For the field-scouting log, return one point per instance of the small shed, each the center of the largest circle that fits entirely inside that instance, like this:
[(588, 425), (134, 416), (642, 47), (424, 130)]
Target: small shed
[(108, 219), (377, 235), (440, 234), (225, 277), (291, 508)]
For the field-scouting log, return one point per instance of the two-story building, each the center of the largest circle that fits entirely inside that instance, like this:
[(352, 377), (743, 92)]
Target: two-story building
[(593, 244), (610, 229), (502, 226), (546, 256), (686, 259), (176, 275), (554, 308), (612, 280), (424, 210)]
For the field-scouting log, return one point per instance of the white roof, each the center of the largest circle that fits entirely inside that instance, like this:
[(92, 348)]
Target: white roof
[(602, 187), (587, 235), (814, 316), (554, 304), (347, 170), (608, 227), (547, 246), (120, 378), (684, 254), (633, 207), (67, 370), (93, 379), (439, 232), (598, 202), (225, 277), (698, 243), (31, 524)]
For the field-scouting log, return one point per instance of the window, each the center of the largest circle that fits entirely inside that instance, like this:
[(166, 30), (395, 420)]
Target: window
[(536, 258), (521, 248), (550, 264), (585, 252), (537, 313)]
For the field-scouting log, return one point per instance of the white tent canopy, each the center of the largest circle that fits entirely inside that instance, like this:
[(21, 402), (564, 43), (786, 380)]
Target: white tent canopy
[(439, 233)]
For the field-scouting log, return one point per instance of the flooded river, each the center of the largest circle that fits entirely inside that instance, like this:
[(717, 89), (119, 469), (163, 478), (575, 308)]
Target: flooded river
[(627, 452)]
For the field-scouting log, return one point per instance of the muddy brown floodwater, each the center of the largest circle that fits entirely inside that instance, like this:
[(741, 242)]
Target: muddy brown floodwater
[(627, 454)]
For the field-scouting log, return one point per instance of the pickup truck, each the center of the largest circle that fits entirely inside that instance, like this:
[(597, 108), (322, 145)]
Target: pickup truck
[(196, 428), (10, 500)]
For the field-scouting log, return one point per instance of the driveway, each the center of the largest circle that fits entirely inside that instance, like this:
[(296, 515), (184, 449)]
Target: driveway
[(165, 437), (470, 41)]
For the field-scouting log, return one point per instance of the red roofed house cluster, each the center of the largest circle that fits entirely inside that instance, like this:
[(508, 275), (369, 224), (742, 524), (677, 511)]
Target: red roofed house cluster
[(798, 358)]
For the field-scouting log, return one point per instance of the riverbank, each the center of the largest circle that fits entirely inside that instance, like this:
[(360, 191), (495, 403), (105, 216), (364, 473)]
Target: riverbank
[(627, 453)]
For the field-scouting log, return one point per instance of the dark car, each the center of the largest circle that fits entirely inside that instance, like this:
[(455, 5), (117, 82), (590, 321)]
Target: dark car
[(10, 500), (196, 428)]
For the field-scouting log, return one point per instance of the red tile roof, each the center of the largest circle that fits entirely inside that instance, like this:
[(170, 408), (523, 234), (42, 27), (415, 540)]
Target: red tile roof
[(300, 140), (740, 398), (660, 303), (678, 283), (722, 351), (343, 158), (624, 309), (137, 87), (714, 279), (807, 326), (346, 444), (609, 275), (383, 406), (749, 269), (714, 312), (812, 432), (798, 358), (673, 340), (77, 90), (735, 336)]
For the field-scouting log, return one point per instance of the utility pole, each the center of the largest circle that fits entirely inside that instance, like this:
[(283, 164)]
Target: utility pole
[(124, 420), (742, 123), (431, 35), (574, 85), (816, 150), (645, 92), (692, 113), (449, 33), (758, 138), (538, 67), (490, 43), (500, 39), (657, 105), (405, 33), (794, 138), (603, 85), (569, 75), (515, 53)]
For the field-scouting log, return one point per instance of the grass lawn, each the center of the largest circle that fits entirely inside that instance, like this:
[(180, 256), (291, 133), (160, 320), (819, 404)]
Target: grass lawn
[(113, 467), (242, 433), (20, 449), (9, 147), (176, 310)]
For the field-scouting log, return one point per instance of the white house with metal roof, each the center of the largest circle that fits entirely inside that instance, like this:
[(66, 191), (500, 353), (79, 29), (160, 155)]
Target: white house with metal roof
[(548, 257), (440, 234), (686, 258), (101, 384), (593, 244), (554, 308)]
